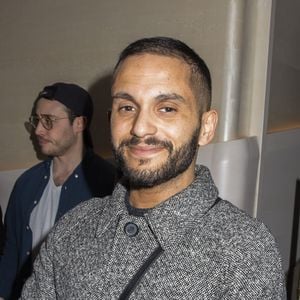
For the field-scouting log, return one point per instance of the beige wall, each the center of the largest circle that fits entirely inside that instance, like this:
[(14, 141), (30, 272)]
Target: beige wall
[(284, 105), (78, 41)]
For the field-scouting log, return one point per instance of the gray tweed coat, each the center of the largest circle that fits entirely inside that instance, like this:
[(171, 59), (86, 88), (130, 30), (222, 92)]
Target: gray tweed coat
[(192, 246)]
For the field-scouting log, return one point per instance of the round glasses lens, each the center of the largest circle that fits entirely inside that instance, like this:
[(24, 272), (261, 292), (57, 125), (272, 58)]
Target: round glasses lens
[(47, 122)]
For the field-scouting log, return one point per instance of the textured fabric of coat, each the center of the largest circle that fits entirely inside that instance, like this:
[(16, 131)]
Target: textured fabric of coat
[(209, 250), (93, 177)]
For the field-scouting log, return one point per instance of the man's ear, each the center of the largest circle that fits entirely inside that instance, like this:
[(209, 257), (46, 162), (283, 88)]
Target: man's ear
[(208, 127), (80, 123)]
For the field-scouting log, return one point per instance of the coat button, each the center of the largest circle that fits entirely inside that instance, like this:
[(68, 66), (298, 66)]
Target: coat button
[(131, 229)]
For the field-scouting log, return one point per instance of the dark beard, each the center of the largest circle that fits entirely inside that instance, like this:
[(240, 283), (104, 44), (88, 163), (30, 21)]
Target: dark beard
[(176, 163)]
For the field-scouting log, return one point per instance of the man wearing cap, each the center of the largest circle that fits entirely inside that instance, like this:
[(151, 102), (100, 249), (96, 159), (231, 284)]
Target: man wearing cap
[(73, 173)]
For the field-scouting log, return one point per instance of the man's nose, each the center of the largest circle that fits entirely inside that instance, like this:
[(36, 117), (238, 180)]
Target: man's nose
[(39, 130), (143, 124)]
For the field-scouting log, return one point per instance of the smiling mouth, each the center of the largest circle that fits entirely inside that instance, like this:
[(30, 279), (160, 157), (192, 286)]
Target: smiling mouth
[(145, 151)]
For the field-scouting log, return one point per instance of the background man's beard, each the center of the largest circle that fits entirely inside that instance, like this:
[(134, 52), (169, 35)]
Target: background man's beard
[(178, 161)]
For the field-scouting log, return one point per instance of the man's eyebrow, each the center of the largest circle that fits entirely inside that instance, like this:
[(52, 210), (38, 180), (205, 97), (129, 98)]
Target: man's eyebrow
[(47, 115), (169, 96), (160, 97), (36, 114), (122, 95)]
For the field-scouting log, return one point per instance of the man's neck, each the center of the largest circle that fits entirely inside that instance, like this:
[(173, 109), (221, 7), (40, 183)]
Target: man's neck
[(63, 166), (151, 197)]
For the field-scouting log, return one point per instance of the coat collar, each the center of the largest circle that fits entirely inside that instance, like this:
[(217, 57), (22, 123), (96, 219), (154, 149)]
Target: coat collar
[(172, 219)]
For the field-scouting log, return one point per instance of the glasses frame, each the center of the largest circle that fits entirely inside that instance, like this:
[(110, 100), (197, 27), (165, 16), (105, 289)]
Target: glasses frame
[(44, 118)]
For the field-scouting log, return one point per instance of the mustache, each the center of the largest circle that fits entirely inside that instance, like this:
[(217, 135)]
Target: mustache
[(148, 141), (42, 139)]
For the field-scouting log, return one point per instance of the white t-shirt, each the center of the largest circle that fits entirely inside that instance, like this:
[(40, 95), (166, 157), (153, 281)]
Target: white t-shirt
[(43, 216)]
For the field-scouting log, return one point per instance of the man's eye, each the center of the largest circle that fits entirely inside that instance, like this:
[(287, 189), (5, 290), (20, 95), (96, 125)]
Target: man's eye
[(126, 108), (167, 109), (48, 120)]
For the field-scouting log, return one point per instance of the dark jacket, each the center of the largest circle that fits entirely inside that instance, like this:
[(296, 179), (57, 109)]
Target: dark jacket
[(94, 177), (1, 233)]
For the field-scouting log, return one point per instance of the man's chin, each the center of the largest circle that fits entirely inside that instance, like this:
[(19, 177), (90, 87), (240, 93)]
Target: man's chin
[(47, 152), (144, 166), (144, 176), (151, 163)]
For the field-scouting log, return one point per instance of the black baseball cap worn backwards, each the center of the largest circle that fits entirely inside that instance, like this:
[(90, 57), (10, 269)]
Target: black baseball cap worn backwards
[(74, 98)]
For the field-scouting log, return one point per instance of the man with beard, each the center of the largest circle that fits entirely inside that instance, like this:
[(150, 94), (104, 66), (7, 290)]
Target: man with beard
[(164, 233), (73, 173)]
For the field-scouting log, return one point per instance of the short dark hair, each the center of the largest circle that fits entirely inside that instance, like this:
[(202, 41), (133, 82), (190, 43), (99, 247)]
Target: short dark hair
[(166, 46)]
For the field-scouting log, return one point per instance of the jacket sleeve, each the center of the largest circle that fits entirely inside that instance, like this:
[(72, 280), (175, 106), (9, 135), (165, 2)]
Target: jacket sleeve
[(9, 260), (41, 283), (259, 275)]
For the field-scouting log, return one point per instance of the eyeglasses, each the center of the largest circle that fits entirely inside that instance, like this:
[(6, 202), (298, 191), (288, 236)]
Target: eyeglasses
[(46, 120)]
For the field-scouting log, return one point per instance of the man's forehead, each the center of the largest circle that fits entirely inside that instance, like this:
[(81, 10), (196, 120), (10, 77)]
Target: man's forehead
[(152, 65), (150, 57), (51, 105)]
